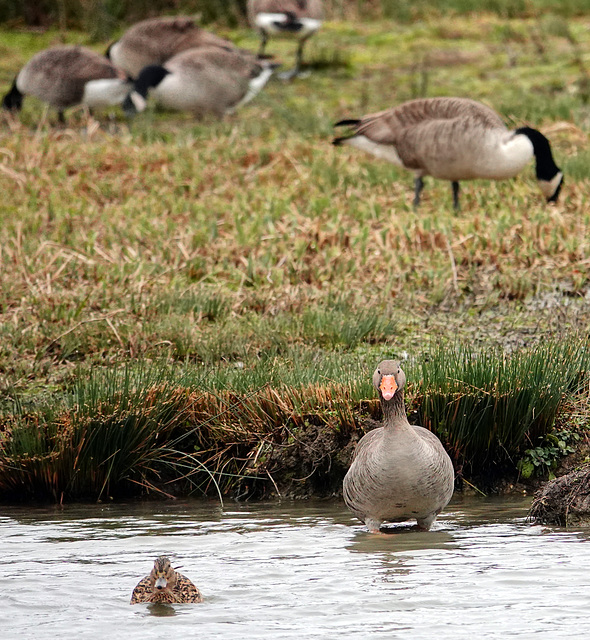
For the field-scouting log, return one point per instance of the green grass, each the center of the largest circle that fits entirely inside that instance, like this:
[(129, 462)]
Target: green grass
[(252, 252), (155, 427)]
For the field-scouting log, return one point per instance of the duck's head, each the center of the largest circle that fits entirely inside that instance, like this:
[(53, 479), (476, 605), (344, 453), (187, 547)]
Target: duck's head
[(388, 379), (162, 576)]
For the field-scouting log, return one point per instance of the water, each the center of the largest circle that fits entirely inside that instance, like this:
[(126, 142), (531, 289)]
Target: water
[(292, 570)]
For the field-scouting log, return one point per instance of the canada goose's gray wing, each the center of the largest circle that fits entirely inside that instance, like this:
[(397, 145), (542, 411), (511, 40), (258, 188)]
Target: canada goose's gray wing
[(217, 80), (429, 130), (232, 61), (156, 40), (298, 8), (385, 126)]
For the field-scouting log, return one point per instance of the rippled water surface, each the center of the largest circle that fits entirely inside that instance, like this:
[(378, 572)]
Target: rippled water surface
[(292, 570)]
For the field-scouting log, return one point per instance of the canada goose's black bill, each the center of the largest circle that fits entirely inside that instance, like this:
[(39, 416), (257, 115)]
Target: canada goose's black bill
[(13, 100)]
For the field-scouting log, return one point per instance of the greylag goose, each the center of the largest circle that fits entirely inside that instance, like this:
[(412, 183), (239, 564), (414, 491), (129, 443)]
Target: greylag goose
[(399, 471), (288, 18), (67, 76), (164, 584), (453, 139), (203, 80), (156, 40)]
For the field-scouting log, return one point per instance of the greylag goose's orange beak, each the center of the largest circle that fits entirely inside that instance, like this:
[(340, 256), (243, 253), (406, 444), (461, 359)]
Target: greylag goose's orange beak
[(388, 387)]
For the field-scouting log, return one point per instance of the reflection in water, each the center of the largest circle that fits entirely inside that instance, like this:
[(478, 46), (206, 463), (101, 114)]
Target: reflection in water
[(292, 570), (161, 610)]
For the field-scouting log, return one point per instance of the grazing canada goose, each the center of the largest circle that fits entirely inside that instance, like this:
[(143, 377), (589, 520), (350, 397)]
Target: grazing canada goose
[(164, 584), (453, 139), (399, 471), (67, 76), (204, 80), (156, 40), (291, 18)]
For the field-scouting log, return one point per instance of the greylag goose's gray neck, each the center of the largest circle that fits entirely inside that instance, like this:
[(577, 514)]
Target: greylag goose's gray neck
[(394, 411)]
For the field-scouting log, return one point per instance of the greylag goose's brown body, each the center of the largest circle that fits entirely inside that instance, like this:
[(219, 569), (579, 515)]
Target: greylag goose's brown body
[(165, 585), (399, 472)]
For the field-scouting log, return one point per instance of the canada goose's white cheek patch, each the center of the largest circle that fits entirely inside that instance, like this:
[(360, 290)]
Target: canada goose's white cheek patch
[(549, 187), (139, 101)]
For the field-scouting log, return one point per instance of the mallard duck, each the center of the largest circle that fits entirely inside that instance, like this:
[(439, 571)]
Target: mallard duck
[(164, 584), (66, 76), (453, 139), (399, 471)]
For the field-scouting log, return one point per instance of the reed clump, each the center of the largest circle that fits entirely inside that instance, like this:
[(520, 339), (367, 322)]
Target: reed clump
[(175, 430)]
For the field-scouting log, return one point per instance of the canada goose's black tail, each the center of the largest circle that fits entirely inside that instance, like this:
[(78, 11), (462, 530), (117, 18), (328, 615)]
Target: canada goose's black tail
[(345, 123), (290, 22), (13, 100)]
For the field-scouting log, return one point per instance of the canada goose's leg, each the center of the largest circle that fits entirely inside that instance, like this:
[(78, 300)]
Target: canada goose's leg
[(418, 186), (296, 71), (61, 118), (455, 186), (263, 41)]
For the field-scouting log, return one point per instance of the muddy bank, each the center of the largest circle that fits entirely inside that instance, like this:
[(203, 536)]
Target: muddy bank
[(564, 501)]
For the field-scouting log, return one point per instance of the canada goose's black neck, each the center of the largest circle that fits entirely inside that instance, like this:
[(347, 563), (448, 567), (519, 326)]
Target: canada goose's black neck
[(546, 167), (394, 410), (150, 76), (13, 100)]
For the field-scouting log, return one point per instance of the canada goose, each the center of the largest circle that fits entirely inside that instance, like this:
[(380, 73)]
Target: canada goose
[(292, 18), (204, 80), (156, 40), (67, 76), (453, 139), (399, 471), (164, 584)]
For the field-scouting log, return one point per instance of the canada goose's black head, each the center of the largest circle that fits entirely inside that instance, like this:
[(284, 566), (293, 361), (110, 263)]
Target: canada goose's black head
[(388, 379), (148, 78), (162, 576), (13, 100), (549, 175)]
